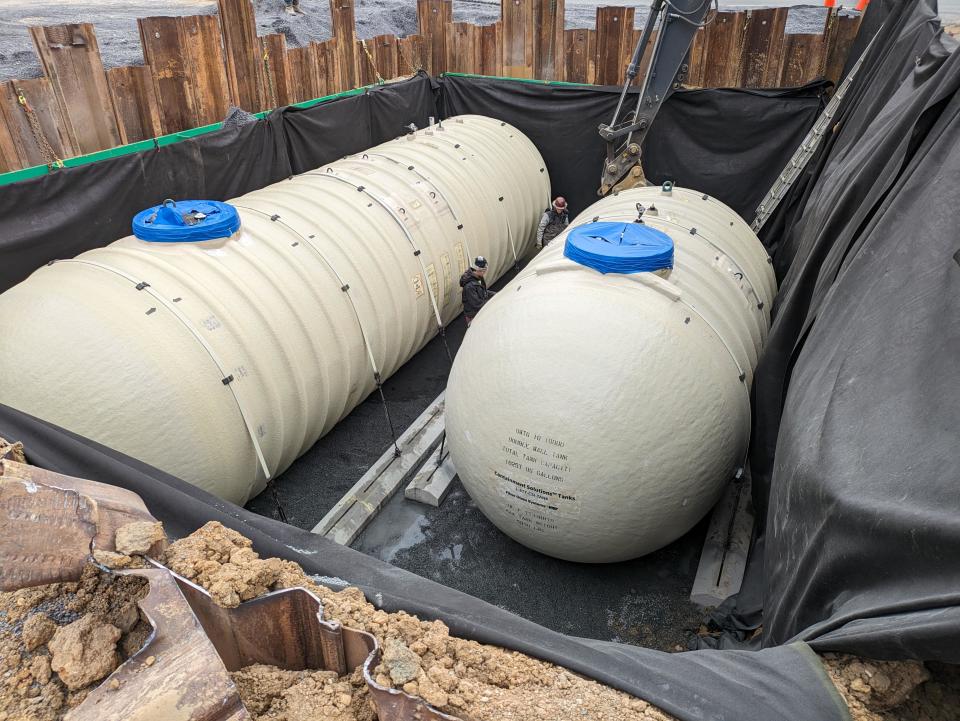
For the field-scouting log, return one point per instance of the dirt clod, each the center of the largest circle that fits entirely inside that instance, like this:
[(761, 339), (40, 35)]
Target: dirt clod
[(138, 537), (84, 651), (37, 630)]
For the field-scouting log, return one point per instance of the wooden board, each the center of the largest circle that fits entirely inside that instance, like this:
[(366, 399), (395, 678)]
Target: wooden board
[(70, 57), (206, 67), (433, 16), (19, 137), (302, 79), (345, 34), (839, 35), (801, 59), (384, 50), (135, 105), (614, 43), (722, 51), (245, 78), (548, 40), (327, 62), (645, 58), (273, 50), (518, 34), (580, 49), (491, 49), (697, 49), (762, 48), (464, 48), (164, 52), (412, 54)]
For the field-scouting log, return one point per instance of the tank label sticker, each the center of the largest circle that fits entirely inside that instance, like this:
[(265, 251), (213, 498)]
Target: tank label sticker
[(432, 279), (461, 260), (418, 284), (447, 275), (530, 484)]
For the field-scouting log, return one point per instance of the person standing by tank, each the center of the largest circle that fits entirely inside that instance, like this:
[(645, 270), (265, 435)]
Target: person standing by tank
[(554, 221), (474, 293)]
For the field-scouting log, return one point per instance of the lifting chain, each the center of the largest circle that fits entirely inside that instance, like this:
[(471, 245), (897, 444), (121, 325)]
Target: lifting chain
[(39, 137), (380, 80), (271, 87)]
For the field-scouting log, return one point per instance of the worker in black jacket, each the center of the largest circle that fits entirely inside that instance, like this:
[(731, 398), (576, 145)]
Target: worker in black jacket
[(475, 292)]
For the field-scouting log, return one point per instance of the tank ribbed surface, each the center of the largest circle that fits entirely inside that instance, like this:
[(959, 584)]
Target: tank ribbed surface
[(597, 417), (221, 361)]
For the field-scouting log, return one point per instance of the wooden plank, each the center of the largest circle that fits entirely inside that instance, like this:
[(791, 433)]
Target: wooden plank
[(762, 47), (164, 51), (433, 16), (245, 78), (412, 54), (722, 53), (70, 57), (645, 58), (801, 58), (491, 49), (384, 51), (577, 53), (327, 61), (135, 104), (548, 40), (351, 514), (695, 73), (300, 62), (206, 68), (840, 34), (42, 102), (464, 48), (345, 35), (518, 33), (273, 49), (614, 43), (9, 157), (366, 73)]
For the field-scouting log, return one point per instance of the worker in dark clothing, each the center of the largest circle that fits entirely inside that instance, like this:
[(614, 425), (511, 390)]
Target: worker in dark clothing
[(554, 221), (475, 292), (292, 7)]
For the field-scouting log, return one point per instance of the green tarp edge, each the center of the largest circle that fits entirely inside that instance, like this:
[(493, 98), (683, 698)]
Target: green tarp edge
[(35, 171)]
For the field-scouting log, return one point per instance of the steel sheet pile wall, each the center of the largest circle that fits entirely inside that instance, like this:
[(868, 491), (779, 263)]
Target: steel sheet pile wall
[(223, 361), (616, 406)]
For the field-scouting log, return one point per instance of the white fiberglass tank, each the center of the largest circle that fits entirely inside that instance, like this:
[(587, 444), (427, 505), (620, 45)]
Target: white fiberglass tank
[(599, 404), (222, 360)]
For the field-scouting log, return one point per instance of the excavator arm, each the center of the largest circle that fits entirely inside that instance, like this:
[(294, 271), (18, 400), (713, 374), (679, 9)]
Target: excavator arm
[(678, 22)]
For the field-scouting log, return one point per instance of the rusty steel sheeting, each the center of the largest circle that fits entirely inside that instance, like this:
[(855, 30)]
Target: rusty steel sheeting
[(49, 526)]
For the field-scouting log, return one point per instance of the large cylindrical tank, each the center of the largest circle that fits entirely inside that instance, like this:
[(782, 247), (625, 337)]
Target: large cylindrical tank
[(222, 361), (596, 416)]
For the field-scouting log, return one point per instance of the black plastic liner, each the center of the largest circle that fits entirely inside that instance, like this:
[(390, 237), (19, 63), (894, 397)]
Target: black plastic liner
[(710, 140), (721, 137), (856, 440), (787, 682), (856, 398)]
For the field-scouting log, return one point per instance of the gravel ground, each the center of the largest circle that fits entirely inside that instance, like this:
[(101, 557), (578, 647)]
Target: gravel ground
[(116, 22)]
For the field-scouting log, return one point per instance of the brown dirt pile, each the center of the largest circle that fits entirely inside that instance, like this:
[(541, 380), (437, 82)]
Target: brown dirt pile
[(896, 690), (457, 676), (58, 641)]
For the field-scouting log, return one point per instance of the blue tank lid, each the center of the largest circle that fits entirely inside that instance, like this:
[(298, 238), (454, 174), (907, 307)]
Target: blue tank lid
[(186, 221), (619, 247)]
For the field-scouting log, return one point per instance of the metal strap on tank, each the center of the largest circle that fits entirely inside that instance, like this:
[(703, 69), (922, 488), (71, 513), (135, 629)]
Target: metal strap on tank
[(690, 230), (345, 287), (436, 189), (516, 259), (225, 375), (403, 227)]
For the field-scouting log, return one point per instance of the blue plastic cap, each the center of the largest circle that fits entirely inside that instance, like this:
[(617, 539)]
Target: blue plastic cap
[(186, 221), (619, 247)]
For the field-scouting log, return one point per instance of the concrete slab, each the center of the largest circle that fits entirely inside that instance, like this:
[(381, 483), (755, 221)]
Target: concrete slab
[(432, 482), (351, 514), (724, 557)]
